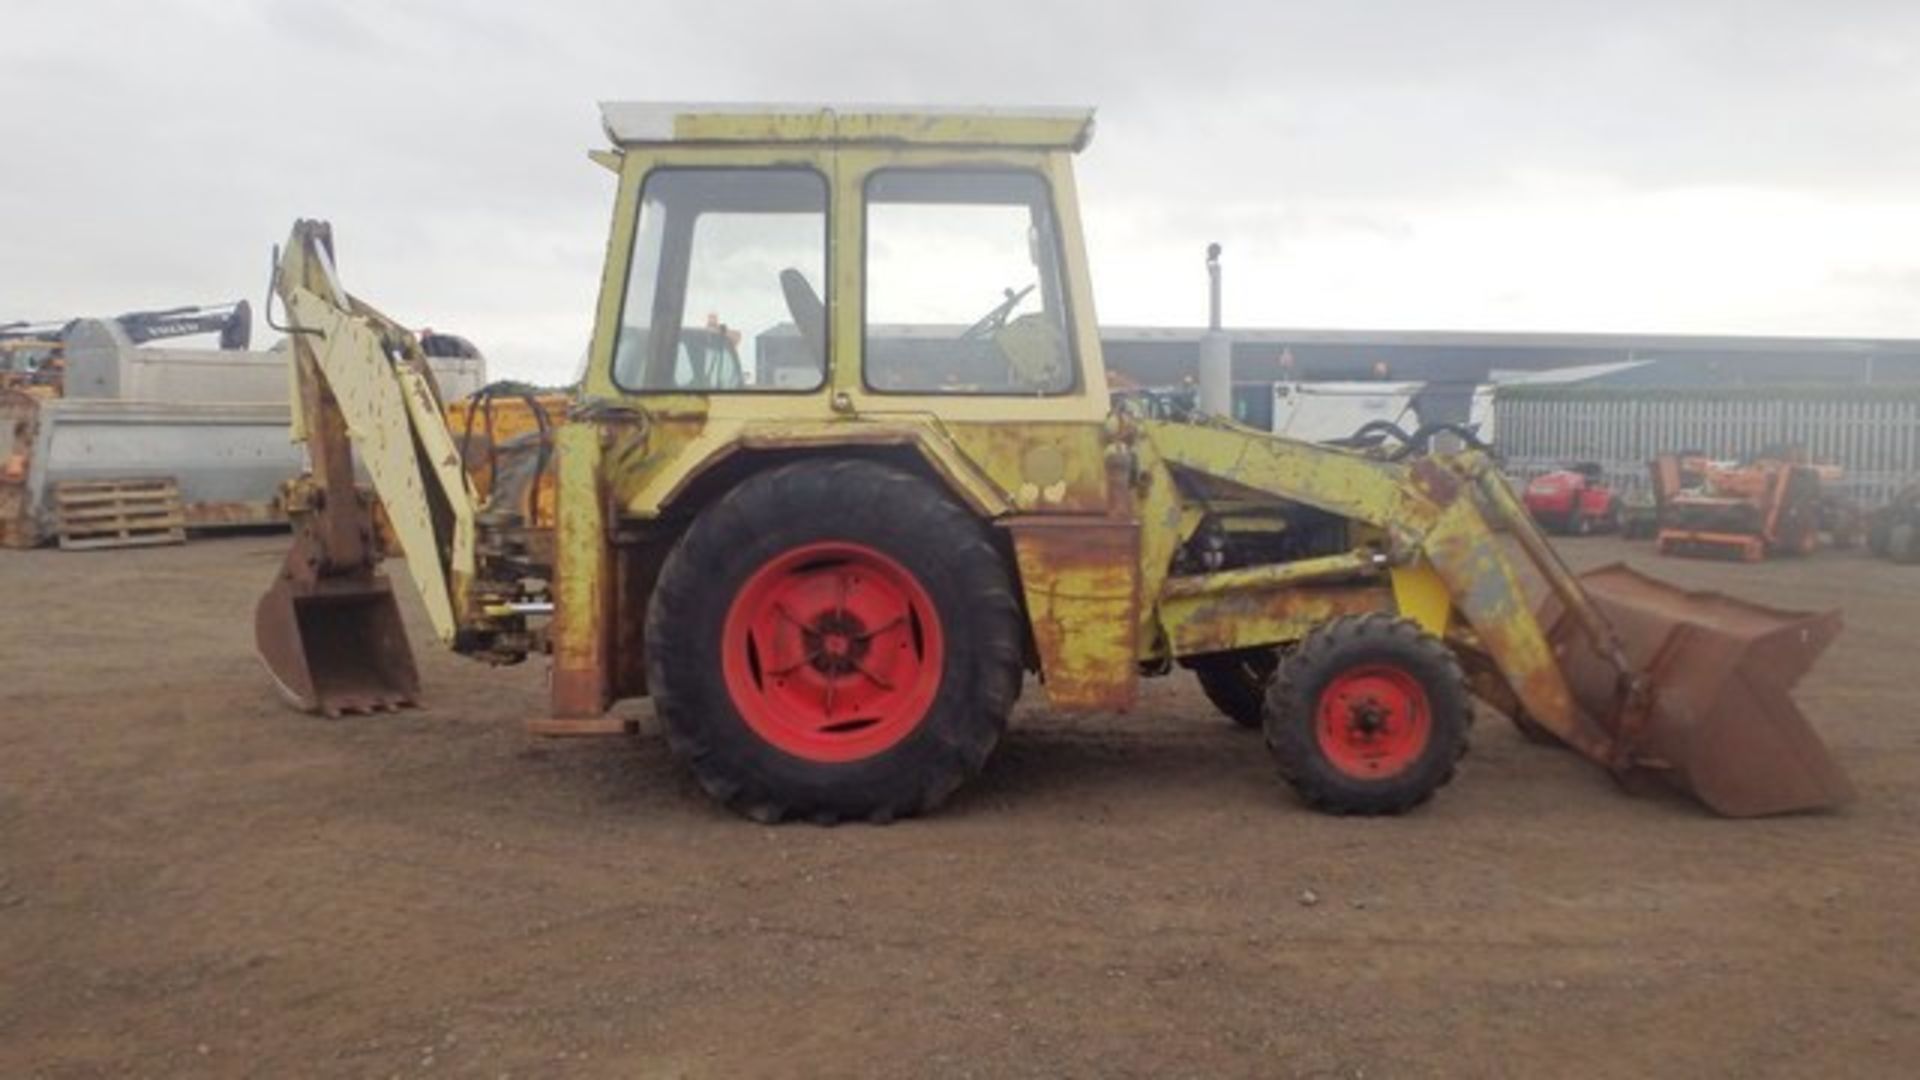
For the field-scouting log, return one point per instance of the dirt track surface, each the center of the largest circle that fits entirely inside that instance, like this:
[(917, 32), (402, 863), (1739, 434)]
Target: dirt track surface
[(195, 880)]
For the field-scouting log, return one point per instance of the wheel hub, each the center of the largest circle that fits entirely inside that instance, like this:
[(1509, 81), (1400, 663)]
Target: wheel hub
[(1374, 721), (832, 652), (837, 644), (1368, 718)]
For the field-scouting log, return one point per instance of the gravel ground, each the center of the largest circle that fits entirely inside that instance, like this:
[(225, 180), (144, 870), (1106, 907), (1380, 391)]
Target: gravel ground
[(194, 880)]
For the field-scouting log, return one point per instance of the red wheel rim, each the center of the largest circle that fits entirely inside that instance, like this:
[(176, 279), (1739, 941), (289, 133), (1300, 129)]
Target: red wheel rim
[(832, 652), (1373, 722)]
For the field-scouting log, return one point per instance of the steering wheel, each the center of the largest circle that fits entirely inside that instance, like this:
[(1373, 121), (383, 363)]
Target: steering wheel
[(997, 318)]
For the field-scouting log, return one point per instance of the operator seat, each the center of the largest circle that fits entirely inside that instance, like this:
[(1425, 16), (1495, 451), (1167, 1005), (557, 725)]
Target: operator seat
[(809, 314)]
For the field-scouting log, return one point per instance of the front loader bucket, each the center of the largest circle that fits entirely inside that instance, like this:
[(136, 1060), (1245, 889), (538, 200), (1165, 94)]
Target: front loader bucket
[(1723, 726), (337, 645)]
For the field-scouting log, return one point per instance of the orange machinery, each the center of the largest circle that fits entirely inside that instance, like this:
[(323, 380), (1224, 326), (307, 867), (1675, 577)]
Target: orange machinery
[(1778, 503)]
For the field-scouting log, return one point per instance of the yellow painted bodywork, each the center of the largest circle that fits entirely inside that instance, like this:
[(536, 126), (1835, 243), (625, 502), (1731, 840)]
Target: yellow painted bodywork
[(1061, 474), (395, 420), (1005, 457), (1133, 542), (1062, 129), (581, 633), (1096, 507), (1421, 594)]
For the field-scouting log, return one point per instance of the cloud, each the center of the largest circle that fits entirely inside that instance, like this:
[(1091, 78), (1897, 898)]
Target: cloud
[(1713, 166)]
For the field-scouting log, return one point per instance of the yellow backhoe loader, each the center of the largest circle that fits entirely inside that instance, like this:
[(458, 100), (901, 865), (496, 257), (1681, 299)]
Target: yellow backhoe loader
[(844, 467)]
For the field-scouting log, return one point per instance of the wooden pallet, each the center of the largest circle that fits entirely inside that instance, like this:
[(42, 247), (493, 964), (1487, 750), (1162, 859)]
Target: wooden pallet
[(92, 514)]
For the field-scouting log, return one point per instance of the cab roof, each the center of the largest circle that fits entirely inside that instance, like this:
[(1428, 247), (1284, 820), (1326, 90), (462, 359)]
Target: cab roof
[(637, 123)]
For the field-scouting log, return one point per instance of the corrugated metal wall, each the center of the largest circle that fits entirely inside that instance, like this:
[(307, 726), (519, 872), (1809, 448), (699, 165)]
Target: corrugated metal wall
[(1877, 441)]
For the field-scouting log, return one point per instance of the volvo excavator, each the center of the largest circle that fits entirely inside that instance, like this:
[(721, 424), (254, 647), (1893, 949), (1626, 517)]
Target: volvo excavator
[(843, 471)]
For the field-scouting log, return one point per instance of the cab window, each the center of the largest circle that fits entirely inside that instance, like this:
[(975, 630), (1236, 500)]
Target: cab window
[(726, 287), (963, 286)]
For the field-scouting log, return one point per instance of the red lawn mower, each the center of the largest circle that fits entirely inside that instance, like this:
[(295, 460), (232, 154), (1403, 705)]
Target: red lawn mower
[(1573, 501)]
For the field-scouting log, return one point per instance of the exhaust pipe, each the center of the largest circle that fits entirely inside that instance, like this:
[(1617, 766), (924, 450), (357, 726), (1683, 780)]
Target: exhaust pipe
[(1216, 349)]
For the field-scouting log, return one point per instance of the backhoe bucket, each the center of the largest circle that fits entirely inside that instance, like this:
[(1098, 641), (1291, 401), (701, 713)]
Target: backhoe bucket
[(337, 645), (1723, 726)]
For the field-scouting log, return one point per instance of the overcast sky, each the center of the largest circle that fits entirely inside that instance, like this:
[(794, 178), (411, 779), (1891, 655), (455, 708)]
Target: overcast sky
[(1664, 166)]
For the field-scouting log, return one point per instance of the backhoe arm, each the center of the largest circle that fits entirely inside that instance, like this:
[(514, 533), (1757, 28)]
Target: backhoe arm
[(329, 630), (358, 373)]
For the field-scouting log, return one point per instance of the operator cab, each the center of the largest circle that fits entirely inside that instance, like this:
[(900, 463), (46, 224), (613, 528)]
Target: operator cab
[(876, 255)]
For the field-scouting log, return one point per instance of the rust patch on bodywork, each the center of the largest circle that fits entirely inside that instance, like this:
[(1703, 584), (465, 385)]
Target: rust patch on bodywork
[(1720, 723), (1081, 585), (1435, 481), (582, 628), (1224, 622), (1046, 468)]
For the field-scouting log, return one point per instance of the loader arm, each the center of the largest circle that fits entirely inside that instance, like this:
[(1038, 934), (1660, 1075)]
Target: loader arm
[(1441, 513), (1631, 673), (359, 381)]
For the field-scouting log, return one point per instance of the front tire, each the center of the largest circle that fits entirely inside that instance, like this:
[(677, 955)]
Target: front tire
[(833, 640), (1368, 716)]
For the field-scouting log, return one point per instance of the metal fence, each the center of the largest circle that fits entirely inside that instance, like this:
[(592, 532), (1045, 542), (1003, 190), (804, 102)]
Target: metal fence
[(1877, 441)]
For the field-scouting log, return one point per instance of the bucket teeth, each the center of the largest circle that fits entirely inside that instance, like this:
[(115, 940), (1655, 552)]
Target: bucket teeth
[(1723, 726)]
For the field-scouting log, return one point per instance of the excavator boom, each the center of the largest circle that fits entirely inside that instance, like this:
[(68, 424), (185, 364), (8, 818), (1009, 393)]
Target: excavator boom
[(329, 630)]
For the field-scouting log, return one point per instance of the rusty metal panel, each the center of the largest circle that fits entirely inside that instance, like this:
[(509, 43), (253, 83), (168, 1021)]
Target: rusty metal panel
[(1221, 622), (1046, 468), (1080, 580), (581, 633), (1722, 726)]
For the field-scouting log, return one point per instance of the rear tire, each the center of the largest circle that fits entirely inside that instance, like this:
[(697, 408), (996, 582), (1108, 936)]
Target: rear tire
[(833, 640), (1236, 682), (1368, 715)]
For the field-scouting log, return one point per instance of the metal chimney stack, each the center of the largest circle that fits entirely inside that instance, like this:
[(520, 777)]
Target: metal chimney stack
[(1216, 349)]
